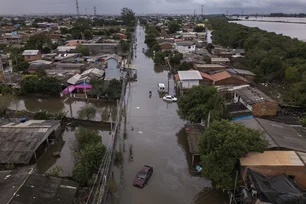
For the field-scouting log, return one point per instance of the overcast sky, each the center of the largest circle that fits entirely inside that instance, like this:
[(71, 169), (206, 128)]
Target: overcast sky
[(152, 6)]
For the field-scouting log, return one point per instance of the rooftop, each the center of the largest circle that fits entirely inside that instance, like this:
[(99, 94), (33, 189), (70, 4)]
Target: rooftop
[(224, 75), (271, 158), (209, 65), (194, 131), (219, 59), (189, 75), (252, 95), (24, 186), (241, 71), (19, 141), (30, 52), (185, 43), (279, 134)]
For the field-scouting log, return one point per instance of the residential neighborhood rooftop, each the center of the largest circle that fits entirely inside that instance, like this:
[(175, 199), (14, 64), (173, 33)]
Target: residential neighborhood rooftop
[(25, 186), (30, 52), (271, 158), (189, 75), (19, 141), (252, 95)]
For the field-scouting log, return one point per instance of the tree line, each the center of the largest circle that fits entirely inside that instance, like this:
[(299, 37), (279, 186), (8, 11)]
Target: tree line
[(273, 58)]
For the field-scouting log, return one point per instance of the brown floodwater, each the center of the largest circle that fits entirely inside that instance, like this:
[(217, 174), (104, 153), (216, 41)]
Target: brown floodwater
[(155, 131)]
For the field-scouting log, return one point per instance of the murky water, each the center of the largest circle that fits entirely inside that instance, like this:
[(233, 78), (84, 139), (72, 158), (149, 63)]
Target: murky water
[(158, 141), (293, 30), (54, 105)]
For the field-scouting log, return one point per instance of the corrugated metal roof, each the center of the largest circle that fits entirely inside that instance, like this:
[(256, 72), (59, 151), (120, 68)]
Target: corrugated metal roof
[(252, 95), (271, 158), (19, 141), (30, 52), (189, 75)]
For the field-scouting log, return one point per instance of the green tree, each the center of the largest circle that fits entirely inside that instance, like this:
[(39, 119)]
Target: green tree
[(76, 33), (88, 34), (156, 48), (128, 16), (124, 45), (37, 42), (159, 58), (83, 50), (199, 101), (87, 112), (222, 145), (32, 84), (292, 74), (64, 30), (89, 151), (21, 65), (199, 29), (173, 27), (185, 66), (114, 89)]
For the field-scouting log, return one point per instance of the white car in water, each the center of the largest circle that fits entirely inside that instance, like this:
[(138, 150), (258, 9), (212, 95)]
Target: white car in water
[(169, 98)]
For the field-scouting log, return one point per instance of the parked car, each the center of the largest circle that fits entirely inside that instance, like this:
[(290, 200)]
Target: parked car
[(169, 98), (143, 176)]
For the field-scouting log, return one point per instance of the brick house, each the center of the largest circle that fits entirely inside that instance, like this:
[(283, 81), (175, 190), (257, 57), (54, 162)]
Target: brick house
[(256, 101), (226, 78), (31, 55)]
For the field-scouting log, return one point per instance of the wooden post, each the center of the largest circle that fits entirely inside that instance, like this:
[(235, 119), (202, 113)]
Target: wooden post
[(192, 160)]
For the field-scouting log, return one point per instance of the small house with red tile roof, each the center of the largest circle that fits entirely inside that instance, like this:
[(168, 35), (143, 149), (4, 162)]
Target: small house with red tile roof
[(226, 78)]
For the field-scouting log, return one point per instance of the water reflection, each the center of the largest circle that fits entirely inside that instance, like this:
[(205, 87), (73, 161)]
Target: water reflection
[(63, 144), (159, 69), (51, 105)]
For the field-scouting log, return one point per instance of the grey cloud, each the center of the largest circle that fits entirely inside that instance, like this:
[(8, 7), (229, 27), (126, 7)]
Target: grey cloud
[(150, 6)]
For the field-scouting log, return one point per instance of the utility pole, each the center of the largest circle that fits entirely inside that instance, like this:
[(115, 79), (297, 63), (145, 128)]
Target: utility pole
[(202, 10), (77, 7), (95, 11), (86, 11), (226, 13), (194, 12)]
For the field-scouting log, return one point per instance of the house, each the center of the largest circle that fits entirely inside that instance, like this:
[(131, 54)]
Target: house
[(39, 65), (113, 67), (273, 177), (65, 49), (256, 101), (98, 48), (185, 46), (74, 42), (31, 55), (22, 143), (166, 46), (25, 185), (188, 79), (189, 36), (219, 60), (276, 163), (227, 78), (280, 136), (121, 36), (193, 58), (193, 133), (244, 73), (209, 67), (206, 79), (10, 38)]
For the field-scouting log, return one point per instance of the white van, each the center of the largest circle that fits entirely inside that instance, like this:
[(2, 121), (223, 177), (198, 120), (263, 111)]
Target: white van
[(161, 87)]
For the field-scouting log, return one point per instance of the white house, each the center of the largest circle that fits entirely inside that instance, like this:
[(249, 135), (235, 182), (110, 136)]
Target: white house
[(185, 46), (188, 79)]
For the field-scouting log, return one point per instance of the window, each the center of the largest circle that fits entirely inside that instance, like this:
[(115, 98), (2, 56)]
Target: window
[(189, 47), (141, 176), (28, 57)]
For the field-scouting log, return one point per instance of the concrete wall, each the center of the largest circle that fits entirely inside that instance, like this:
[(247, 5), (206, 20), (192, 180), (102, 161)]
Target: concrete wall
[(30, 58), (239, 99), (189, 84), (186, 49)]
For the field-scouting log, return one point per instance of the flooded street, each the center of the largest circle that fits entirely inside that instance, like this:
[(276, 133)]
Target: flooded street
[(158, 140)]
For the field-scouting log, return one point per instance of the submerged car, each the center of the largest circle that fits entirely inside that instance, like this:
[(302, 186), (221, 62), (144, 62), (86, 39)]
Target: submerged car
[(169, 98), (143, 176)]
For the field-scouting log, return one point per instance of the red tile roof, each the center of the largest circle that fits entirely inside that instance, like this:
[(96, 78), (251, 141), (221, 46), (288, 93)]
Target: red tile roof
[(224, 75), (177, 77), (207, 76)]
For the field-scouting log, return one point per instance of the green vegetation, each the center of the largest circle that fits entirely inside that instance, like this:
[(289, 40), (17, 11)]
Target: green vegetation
[(222, 145), (88, 152), (88, 34), (38, 42), (45, 115), (106, 89), (19, 64), (274, 58), (87, 112), (112, 186), (199, 29), (124, 45), (83, 50), (5, 89), (185, 66), (55, 171), (128, 17), (32, 84), (173, 27), (199, 101)]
